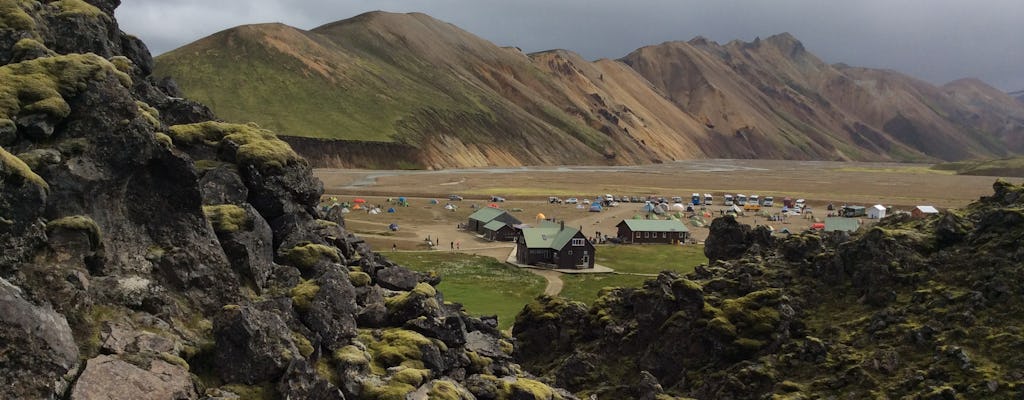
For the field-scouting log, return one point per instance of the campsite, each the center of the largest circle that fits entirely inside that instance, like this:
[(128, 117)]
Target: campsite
[(415, 213)]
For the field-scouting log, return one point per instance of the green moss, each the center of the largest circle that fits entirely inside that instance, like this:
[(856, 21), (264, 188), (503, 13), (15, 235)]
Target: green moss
[(477, 362), (359, 279), (398, 347), (151, 114), (173, 359), (754, 313), (533, 388), (227, 218), (443, 390), (11, 165), (231, 307), (257, 147), (351, 355), (303, 294), (391, 391), (326, 371), (78, 223), (77, 7), (747, 344), (411, 376), (163, 139), (506, 346), (421, 291), (262, 392), (13, 16), (309, 255), (323, 223), (304, 345), (42, 84), (29, 45), (122, 63)]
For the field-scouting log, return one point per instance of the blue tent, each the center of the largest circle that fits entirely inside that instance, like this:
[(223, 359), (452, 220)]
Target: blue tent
[(649, 207), (595, 207), (393, 227), (391, 210), (433, 201), (401, 199)]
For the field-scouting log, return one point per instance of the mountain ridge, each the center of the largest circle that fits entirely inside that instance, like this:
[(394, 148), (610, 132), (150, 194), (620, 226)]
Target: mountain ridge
[(465, 102)]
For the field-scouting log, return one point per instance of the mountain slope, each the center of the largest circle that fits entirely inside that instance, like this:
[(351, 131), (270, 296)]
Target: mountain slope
[(446, 98)]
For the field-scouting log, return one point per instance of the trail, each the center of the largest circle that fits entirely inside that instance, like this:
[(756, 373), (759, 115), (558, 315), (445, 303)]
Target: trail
[(555, 282)]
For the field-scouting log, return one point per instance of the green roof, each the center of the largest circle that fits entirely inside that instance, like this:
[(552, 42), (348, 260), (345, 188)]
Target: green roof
[(654, 225), (841, 224), (494, 225), (486, 214), (548, 237)]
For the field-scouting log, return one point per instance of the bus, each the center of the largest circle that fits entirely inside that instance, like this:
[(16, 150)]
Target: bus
[(695, 199), (708, 199), (728, 199), (769, 201), (754, 199), (741, 199)]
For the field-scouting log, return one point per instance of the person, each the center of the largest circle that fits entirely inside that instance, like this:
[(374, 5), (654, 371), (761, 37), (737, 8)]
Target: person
[(394, 247), (452, 244), (458, 245)]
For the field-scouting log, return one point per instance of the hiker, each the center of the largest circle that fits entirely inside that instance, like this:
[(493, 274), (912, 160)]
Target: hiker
[(452, 244), (394, 247), (458, 245)]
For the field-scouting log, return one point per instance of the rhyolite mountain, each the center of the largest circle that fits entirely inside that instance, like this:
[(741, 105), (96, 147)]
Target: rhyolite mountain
[(149, 251), (409, 91)]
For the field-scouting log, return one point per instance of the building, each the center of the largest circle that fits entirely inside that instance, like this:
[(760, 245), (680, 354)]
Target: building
[(484, 216), (833, 224), (499, 231), (876, 211), (554, 246), (652, 231), (923, 211)]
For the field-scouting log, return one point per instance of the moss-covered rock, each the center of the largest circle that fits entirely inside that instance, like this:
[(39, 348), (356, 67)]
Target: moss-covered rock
[(303, 293), (359, 278), (11, 166), (302, 343), (76, 7), (78, 223), (256, 146), (41, 85), (351, 355), (227, 218), (444, 390), (14, 17), (307, 256)]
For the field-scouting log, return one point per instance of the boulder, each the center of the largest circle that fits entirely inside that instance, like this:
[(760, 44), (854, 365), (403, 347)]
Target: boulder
[(252, 346), (449, 330), (728, 239), (222, 185), (331, 313), (39, 348), (397, 278), (301, 381), (109, 378), (249, 249)]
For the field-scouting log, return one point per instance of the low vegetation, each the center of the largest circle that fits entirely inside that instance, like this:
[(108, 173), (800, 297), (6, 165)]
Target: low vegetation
[(650, 259), (256, 146), (1005, 167), (483, 285)]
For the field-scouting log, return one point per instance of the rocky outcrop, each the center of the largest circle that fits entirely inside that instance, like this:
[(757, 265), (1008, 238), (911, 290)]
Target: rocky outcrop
[(911, 308), (150, 251)]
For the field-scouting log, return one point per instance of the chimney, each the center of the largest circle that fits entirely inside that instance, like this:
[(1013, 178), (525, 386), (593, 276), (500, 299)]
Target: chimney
[(561, 225)]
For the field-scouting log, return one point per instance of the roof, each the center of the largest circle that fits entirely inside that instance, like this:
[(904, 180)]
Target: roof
[(495, 225), (654, 225), (855, 207), (548, 237), (927, 209), (841, 224), (486, 214), (878, 207)]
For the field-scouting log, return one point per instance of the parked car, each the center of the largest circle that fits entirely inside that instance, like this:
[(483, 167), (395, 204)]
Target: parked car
[(454, 197), (571, 200), (634, 199), (498, 199), (554, 200)]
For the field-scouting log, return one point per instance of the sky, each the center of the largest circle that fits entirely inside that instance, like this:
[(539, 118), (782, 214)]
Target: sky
[(935, 40)]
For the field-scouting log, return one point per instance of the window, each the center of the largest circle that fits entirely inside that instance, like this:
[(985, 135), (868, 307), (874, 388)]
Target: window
[(647, 235), (638, 235), (664, 235), (578, 242), (570, 253)]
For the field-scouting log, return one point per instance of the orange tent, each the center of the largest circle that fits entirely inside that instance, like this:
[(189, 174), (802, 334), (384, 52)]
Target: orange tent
[(819, 226), (493, 205)]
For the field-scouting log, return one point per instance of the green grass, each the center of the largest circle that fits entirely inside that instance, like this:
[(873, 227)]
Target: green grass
[(584, 287), (651, 259), (483, 285), (1012, 167)]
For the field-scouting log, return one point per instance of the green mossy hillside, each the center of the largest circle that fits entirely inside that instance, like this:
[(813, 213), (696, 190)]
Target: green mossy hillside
[(256, 146), (41, 85)]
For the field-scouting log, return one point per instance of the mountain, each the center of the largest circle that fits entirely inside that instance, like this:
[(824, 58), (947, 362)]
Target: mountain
[(906, 309), (1019, 95), (358, 92), (149, 251)]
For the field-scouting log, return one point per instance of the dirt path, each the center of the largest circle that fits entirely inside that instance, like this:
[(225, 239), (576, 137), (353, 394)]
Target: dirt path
[(555, 282)]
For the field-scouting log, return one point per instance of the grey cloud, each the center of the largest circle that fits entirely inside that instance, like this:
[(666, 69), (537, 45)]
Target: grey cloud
[(935, 40)]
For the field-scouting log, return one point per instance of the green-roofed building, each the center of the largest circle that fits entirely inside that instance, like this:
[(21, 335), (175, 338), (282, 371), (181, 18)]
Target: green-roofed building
[(833, 224), (499, 231), (487, 215), (554, 246), (652, 231)]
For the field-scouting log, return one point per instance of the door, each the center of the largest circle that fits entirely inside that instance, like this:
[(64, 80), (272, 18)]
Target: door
[(586, 258)]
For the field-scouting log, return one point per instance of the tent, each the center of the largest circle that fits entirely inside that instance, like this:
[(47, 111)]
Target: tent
[(818, 226), (393, 227), (493, 205), (357, 207), (541, 216), (648, 207), (596, 207), (449, 207), (679, 207), (359, 201), (345, 210), (375, 211), (433, 201), (401, 199), (391, 210)]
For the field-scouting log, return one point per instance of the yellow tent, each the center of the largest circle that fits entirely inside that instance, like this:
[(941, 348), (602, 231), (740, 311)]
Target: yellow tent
[(541, 216)]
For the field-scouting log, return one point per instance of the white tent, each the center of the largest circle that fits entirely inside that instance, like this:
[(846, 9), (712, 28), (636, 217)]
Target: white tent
[(375, 211), (876, 211), (679, 207)]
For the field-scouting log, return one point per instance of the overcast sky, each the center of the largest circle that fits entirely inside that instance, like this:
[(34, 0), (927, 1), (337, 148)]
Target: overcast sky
[(936, 40)]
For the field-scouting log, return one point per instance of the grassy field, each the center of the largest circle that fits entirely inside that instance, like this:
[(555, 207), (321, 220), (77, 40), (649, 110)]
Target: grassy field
[(483, 285), (632, 259), (651, 259)]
